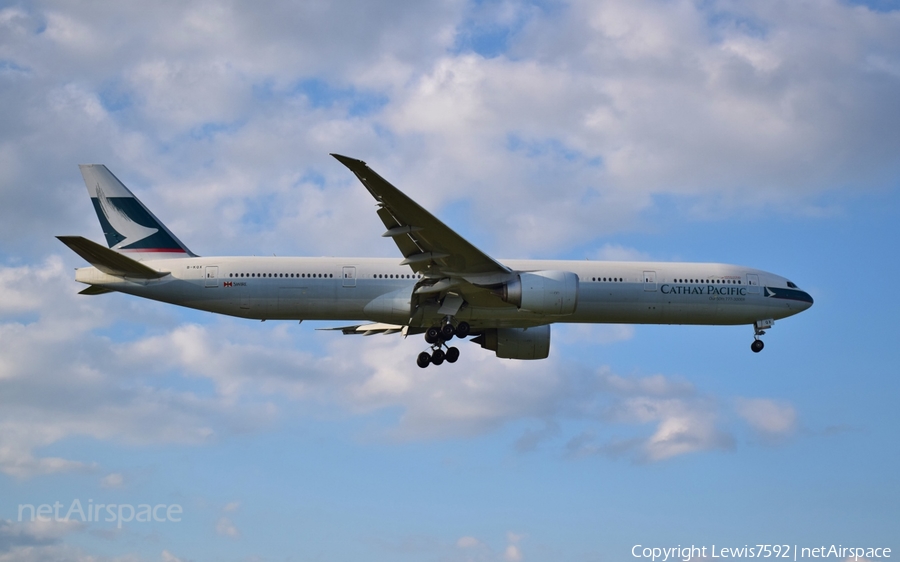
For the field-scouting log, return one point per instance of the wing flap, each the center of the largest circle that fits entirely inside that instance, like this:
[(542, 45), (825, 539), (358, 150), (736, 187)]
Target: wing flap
[(95, 290), (368, 329)]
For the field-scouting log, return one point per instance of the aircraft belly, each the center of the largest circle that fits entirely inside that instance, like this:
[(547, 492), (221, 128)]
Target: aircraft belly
[(342, 302), (289, 303), (617, 303)]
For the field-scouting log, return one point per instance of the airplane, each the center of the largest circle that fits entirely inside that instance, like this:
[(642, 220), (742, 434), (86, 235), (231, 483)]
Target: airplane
[(444, 287)]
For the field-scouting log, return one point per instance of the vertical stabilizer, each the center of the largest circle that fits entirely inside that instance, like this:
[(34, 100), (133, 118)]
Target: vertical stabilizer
[(129, 226)]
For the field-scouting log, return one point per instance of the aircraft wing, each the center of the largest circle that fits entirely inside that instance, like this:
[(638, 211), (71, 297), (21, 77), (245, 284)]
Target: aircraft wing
[(428, 246)]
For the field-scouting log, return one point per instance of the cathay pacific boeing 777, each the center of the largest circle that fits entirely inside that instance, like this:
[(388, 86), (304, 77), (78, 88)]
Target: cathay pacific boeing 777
[(444, 287)]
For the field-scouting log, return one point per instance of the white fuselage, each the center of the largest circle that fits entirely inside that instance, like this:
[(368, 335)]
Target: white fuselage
[(287, 288)]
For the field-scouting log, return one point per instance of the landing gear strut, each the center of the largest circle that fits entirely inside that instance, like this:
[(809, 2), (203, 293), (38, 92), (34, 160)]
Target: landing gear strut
[(758, 329), (437, 338)]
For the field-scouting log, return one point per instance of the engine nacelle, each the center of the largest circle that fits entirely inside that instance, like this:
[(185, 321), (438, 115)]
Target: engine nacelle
[(543, 292), (517, 343)]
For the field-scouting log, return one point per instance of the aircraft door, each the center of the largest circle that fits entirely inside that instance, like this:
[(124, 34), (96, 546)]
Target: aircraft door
[(649, 280), (753, 281), (349, 275), (212, 276)]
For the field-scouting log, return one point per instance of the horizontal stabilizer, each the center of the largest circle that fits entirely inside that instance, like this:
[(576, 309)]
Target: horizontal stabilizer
[(95, 290), (109, 261)]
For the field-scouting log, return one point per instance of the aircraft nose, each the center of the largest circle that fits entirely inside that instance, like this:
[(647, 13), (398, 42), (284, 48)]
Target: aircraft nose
[(807, 300)]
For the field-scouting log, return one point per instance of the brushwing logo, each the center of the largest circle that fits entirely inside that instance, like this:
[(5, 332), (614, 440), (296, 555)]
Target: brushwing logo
[(122, 223)]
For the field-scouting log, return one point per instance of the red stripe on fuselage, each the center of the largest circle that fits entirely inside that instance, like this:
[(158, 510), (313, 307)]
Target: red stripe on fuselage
[(166, 250)]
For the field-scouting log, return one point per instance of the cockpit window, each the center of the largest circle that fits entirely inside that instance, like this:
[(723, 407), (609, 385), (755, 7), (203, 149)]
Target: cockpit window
[(791, 285)]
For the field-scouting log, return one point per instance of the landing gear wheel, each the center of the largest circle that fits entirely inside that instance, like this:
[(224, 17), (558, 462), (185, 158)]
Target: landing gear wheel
[(437, 357), (757, 346), (423, 360), (462, 330), (432, 335), (452, 355), (447, 332)]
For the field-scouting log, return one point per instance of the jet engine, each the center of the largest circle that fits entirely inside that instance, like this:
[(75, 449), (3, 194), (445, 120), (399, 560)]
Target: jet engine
[(543, 292), (517, 343)]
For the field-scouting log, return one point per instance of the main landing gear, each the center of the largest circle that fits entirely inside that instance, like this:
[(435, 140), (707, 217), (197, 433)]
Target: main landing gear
[(758, 326), (438, 338)]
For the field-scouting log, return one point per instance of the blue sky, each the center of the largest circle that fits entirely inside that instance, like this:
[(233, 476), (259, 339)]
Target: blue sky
[(763, 134)]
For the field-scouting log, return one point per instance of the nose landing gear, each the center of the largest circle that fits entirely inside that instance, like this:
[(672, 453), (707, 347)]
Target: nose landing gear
[(437, 338), (758, 329)]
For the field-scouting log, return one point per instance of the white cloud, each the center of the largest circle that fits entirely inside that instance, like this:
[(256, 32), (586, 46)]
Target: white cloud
[(654, 386), (513, 553), (682, 433), (468, 542), (597, 108), (683, 425), (475, 549), (665, 104), (43, 530), (112, 480), (61, 379), (617, 252), (185, 95), (169, 557), (37, 541), (115, 396), (226, 528), (769, 418), (685, 421), (221, 117)]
